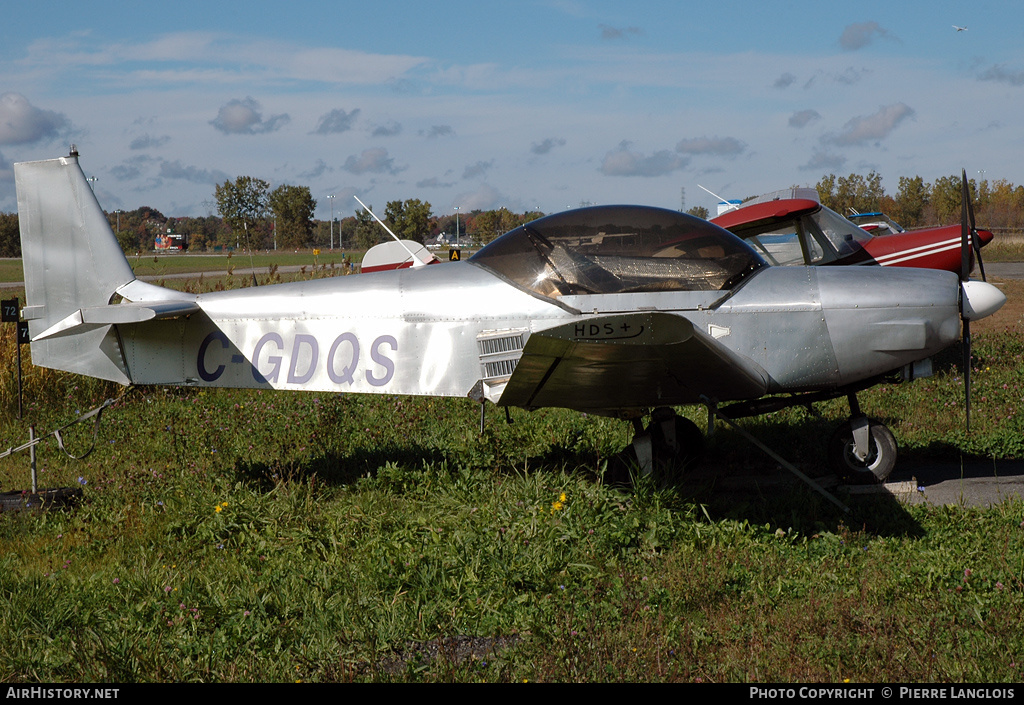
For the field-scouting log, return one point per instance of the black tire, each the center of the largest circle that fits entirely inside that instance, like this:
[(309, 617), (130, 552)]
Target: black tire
[(671, 462), (873, 469), (58, 498)]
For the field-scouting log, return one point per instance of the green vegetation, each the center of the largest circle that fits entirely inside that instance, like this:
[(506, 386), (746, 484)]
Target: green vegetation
[(998, 204), (267, 264), (260, 536)]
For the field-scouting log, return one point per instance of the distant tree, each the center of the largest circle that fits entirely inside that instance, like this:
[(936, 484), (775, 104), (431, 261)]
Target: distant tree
[(700, 212), (293, 208), (128, 242), (242, 203), (367, 231), (10, 235), (409, 220), (945, 200), (139, 228), (345, 233), (491, 224), (826, 188), (1004, 207), (911, 200)]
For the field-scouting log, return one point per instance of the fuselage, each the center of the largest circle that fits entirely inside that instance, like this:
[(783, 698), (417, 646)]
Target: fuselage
[(607, 308), (435, 330)]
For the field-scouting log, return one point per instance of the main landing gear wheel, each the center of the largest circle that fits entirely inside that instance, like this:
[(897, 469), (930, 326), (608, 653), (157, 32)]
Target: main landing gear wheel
[(677, 442), (666, 449), (880, 459)]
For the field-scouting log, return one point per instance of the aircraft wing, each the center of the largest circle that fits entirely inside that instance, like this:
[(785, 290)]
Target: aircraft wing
[(629, 361)]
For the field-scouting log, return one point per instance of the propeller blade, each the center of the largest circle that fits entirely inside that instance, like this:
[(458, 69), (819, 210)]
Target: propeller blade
[(977, 253), (965, 253), (966, 342), (966, 225), (975, 238), (968, 229)]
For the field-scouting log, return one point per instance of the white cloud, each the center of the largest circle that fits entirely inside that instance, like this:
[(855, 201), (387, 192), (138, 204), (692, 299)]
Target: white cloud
[(374, 160), (1001, 74), (860, 34), (176, 170), (23, 123), (622, 161), (149, 142), (391, 129), (484, 198), (720, 146), (824, 161), (335, 121), (545, 146), (617, 33), (243, 117), (785, 80), (438, 131), (802, 118), (477, 170), (872, 128)]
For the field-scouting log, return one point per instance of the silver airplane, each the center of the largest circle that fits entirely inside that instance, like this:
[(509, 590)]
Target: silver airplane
[(612, 310)]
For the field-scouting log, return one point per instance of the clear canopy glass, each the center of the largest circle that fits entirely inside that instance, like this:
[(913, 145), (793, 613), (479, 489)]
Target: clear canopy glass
[(619, 249), (819, 237)]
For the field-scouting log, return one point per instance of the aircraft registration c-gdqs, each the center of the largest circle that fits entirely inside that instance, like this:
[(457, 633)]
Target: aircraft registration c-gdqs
[(610, 310)]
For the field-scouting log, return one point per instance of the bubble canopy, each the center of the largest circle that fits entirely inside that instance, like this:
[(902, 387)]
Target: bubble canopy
[(619, 249)]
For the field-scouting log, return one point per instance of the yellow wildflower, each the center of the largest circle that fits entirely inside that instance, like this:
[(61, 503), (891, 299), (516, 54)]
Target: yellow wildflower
[(558, 504)]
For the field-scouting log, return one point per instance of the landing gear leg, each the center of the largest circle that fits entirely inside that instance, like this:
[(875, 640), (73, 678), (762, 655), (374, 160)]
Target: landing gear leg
[(668, 447), (862, 450)]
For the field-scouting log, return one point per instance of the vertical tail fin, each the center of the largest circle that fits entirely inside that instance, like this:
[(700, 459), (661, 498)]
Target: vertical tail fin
[(72, 261)]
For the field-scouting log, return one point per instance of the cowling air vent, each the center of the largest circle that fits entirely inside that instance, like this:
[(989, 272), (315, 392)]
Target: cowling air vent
[(500, 351)]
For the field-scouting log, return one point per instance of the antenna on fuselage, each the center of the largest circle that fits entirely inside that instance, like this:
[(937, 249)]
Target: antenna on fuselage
[(416, 261), (720, 199)]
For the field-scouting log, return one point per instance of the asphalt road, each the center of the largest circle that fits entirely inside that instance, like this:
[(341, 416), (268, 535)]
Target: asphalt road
[(1005, 270), (972, 482)]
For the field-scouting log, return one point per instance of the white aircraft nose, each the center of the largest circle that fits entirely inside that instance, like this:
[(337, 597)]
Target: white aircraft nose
[(980, 299)]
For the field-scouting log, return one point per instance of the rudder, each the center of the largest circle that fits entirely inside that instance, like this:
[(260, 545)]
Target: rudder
[(72, 261)]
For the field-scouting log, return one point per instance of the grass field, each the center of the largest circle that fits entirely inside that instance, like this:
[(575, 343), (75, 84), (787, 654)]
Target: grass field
[(259, 536), (154, 265)]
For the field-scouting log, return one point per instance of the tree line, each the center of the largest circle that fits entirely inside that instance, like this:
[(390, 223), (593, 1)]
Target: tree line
[(998, 204), (251, 215)]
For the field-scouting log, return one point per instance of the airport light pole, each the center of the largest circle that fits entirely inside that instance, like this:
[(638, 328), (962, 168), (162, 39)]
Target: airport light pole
[(456, 209), (332, 197), (92, 182)]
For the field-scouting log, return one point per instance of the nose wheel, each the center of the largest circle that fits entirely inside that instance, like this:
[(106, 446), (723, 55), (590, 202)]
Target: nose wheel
[(862, 451)]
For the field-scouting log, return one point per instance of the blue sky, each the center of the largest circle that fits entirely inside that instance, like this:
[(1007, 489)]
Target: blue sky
[(533, 104)]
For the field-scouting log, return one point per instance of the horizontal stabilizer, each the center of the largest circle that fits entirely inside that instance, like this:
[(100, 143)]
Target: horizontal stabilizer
[(628, 361), (124, 313)]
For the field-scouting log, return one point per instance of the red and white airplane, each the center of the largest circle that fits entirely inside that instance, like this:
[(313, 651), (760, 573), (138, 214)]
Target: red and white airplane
[(792, 227)]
